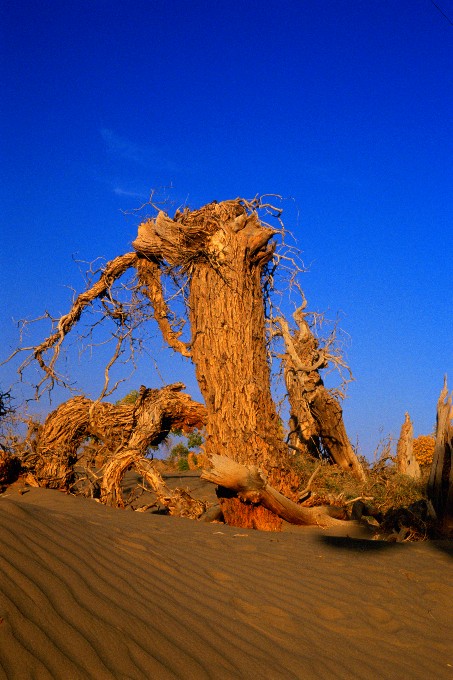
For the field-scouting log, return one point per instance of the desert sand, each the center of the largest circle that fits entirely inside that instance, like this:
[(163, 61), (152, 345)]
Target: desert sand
[(87, 591)]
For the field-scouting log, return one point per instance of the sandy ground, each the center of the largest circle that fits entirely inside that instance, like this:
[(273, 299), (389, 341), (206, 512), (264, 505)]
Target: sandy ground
[(91, 592)]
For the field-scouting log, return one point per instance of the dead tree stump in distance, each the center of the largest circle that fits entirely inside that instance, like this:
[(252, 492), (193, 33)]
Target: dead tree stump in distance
[(440, 484), (406, 461)]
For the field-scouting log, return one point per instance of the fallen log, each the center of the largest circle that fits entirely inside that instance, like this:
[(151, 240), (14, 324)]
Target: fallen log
[(251, 487)]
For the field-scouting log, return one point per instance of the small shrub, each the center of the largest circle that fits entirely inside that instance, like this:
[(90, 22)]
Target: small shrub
[(195, 440), (179, 451), (183, 464), (192, 461), (130, 398), (178, 457)]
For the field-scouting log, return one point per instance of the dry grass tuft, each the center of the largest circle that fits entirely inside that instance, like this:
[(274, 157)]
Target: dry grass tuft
[(393, 503)]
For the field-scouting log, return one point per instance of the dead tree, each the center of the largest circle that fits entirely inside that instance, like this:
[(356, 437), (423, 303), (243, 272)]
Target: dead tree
[(223, 248), (219, 254), (126, 431), (316, 419), (406, 461), (440, 484)]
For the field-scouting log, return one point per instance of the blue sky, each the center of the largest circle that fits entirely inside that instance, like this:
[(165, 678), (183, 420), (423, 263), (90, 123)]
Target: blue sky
[(344, 106)]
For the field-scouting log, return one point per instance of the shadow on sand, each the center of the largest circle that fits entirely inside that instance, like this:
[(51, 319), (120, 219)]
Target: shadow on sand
[(359, 544), (363, 545)]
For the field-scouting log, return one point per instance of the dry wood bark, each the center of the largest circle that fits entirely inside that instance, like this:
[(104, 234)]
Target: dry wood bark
[(251, 486), (126, 430), (178, 502), (406, 461), (9, 468), (440, 484), (223, 248), (316, 419), (150, 276)]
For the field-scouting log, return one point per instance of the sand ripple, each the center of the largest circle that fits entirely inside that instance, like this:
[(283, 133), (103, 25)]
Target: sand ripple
[(90, 592)]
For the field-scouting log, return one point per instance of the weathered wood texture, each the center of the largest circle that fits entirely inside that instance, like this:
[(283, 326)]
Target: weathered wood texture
[(223, 248), (440, 485), (177, 501), (114, 270), (9, 467), (125, 430), (406, 461), (251, 486), (316, 419), (149, 274), (236, 513)]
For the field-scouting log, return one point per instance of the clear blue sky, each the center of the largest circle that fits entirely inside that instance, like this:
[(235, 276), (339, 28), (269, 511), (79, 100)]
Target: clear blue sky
[(343, 105)]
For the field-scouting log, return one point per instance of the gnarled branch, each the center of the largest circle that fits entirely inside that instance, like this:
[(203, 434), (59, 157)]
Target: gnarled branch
[(316, 415), (113, 271), (251, 486), (149, 275), (125, 431)]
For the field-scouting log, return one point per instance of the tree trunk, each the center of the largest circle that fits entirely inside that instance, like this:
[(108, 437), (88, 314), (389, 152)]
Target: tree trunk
[(223, 248), (229, 351), (406, 461), (440, 485), (316, 415)]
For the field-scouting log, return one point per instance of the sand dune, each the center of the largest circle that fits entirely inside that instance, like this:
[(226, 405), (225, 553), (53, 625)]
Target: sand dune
[(91, 592)]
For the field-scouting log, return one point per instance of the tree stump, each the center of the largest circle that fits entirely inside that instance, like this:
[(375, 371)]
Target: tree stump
[(406, 461), (440, 485)]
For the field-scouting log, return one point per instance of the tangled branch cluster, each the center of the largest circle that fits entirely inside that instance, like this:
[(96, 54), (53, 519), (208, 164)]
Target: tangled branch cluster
[(161, 280)]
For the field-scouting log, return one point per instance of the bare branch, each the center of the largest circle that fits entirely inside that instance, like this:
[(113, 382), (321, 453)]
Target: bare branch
[(113, 271), (150, 277)]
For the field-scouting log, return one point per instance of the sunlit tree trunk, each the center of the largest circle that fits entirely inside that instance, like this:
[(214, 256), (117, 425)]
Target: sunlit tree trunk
[(229, 352), (316, 421), (224, 248)]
